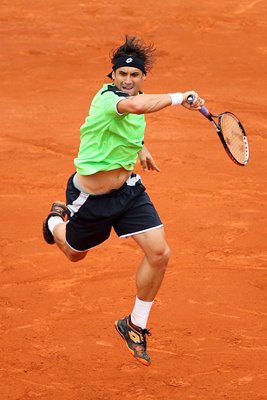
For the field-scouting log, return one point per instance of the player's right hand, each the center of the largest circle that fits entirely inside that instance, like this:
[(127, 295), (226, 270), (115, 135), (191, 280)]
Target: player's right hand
[(197, 103)]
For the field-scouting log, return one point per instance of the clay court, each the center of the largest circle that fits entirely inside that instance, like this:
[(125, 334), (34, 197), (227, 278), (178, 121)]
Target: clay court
[(57, 336)]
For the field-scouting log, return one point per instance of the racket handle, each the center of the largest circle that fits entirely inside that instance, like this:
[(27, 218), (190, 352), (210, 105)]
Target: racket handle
[(203, 110)]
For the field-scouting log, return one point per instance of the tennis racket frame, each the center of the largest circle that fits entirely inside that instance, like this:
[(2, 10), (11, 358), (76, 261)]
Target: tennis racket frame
[(218, 129), (204, 111)]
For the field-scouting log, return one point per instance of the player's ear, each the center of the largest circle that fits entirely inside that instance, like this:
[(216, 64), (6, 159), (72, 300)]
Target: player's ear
[(113, 75), (144, 77)]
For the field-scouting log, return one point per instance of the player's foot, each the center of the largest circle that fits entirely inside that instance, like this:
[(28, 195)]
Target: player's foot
[(135, 338), (58, 209)]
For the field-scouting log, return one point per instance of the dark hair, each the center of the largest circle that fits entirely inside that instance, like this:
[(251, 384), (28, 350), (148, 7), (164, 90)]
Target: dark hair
[(134, 46)]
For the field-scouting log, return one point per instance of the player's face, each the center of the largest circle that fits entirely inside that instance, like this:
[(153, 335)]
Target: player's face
[(128, 80)]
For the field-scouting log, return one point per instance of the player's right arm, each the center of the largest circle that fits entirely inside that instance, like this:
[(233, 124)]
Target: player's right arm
[(149, 103)]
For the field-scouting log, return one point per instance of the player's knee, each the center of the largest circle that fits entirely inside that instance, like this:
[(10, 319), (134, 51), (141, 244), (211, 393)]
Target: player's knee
[(75, 257), (160, 257)]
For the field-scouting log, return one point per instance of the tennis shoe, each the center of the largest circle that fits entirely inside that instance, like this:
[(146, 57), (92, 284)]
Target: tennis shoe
[(58, 209), (135, 338)]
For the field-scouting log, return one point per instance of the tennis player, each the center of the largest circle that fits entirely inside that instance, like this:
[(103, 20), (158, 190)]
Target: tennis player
[(105, 193)]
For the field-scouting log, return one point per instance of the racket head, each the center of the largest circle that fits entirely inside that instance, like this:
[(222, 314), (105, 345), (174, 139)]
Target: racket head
[(233, 137)]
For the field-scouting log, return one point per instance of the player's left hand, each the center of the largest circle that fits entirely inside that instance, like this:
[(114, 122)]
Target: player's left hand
[(147, 160)]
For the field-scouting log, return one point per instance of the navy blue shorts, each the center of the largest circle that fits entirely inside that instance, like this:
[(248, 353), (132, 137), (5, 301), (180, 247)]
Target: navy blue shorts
[(128, 210)]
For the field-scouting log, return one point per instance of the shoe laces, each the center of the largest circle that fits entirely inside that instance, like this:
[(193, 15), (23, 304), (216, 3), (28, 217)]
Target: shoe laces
[(145, 332)]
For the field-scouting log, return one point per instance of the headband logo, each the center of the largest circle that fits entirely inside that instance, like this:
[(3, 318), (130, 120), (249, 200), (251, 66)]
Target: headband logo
[(129, 60)]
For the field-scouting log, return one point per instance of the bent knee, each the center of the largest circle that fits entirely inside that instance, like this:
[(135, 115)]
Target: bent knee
[(75, 256), (71, 254)]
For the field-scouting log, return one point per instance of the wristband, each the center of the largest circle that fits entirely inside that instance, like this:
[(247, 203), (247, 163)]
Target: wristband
[(176, 98)]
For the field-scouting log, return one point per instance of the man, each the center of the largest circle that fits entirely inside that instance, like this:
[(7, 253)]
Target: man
[(104, 193)]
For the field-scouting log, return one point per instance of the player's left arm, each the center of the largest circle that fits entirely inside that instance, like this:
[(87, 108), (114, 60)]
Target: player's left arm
[(147, 160)]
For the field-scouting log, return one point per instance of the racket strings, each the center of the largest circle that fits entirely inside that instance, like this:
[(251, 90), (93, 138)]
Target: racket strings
[(234, 137)]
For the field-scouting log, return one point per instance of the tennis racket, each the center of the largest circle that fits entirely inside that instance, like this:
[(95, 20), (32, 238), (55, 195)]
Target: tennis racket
[(231, 133)]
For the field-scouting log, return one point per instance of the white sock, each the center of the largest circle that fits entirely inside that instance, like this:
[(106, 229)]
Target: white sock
[(140, 313), (54, 221)]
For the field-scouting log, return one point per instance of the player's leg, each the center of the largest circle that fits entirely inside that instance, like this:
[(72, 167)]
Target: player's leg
[(54, 231), (89, 221), (59, 233), (132, 328), (142, 222), (152, 268)]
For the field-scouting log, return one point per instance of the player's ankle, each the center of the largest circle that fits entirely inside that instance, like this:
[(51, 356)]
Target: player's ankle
[(53, 222)]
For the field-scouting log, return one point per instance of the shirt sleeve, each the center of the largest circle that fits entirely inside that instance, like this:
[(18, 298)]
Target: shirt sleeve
[(109, 102)]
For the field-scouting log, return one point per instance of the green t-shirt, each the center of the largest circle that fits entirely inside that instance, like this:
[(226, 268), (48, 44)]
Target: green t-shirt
[(109, 140)]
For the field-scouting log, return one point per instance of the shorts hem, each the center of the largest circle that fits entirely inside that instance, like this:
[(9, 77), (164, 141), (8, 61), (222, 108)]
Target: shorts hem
[(136, 233), (79, 251)]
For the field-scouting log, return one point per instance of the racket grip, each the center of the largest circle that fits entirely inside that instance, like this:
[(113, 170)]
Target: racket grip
[(203, 110)]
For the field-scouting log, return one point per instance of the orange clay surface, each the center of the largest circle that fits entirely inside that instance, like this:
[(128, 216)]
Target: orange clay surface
[(57, 336)]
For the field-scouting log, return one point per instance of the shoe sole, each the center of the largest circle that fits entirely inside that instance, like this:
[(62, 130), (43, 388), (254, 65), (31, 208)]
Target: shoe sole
[(141, 360), (47, 235)]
